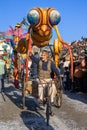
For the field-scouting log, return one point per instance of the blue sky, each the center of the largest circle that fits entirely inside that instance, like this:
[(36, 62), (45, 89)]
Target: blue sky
[(73, 24)]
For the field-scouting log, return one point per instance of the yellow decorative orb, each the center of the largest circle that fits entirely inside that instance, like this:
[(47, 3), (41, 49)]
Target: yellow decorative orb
[(22, 46)]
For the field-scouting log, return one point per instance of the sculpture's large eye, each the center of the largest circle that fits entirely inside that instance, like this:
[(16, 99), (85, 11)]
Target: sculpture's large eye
[(54, 17), (33, 17)]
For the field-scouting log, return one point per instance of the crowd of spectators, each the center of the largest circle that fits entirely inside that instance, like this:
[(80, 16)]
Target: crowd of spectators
[(79, 51)]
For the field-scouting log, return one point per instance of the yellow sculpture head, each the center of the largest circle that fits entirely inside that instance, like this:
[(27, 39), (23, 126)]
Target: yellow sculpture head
[(41, 23)]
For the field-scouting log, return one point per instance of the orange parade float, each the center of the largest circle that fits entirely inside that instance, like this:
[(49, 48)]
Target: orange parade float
[(41, 22)]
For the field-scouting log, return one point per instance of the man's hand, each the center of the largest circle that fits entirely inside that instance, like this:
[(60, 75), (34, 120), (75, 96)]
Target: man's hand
[(30, 53)]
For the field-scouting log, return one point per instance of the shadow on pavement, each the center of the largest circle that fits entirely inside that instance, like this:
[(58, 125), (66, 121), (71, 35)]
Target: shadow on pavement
[(34, 121), (80, 96), (31, 115)]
